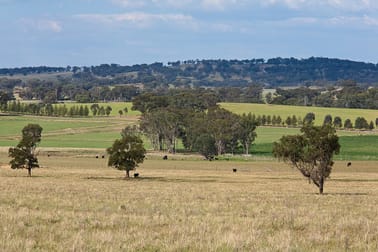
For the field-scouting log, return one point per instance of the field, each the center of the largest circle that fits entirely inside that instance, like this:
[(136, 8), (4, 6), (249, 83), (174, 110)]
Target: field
[(100, 132), (76, 203)]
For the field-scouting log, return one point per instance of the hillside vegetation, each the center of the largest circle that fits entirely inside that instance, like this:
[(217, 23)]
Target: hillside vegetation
[(275, 72)]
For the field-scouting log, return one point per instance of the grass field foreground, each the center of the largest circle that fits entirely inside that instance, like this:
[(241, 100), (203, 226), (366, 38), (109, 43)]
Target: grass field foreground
[(77, 203)]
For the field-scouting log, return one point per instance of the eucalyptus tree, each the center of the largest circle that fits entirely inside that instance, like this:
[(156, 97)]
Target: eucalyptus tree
[(24, 155), (311, 152), (126, 153)]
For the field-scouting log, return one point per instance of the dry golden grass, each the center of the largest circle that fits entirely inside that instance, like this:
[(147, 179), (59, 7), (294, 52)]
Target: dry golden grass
[(76, 203)]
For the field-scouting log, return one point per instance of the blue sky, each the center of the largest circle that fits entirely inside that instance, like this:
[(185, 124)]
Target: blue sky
[(126, 32)]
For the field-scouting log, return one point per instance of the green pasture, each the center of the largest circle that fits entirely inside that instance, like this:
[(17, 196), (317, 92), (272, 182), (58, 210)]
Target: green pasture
[(285, 111), (100, 132)]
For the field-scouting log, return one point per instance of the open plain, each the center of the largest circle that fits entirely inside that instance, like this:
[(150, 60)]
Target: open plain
[(76, 203)]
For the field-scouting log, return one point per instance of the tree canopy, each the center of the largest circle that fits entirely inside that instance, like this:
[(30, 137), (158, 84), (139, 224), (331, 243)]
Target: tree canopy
[(311, 152), (126, 153), (24, 154)]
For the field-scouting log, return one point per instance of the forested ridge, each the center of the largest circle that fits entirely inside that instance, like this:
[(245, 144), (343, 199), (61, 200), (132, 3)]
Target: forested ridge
[(274, 72), (319, 82)]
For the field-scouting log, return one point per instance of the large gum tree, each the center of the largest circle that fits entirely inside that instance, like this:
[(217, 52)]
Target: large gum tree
[(126, 153), (310, 152), (24, 155)]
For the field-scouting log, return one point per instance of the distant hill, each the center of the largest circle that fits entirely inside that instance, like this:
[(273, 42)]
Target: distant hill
[(276, 72)]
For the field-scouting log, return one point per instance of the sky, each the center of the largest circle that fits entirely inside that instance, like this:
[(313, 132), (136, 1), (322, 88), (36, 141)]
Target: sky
[(127, 32)]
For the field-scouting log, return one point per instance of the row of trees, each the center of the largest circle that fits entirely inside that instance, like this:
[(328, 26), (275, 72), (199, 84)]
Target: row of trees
[(344, 94), (60, 110), (360, 122)]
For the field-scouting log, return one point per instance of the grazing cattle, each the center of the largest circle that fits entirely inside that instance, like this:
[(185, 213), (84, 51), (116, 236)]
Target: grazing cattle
[(234, 170), (136, 175), (349, 164), (165, 157), (48, 155), (103, 156), (96, 156)]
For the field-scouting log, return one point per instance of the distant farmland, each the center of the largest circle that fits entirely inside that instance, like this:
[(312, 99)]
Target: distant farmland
[(100, 132), (285, 111)]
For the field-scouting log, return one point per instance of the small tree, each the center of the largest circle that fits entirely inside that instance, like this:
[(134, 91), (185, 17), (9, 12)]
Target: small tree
[(361, 123), (337, 122), (327, 120), (108, 109), (24, 154), (311, 153), (309, 118), (348, 124), (94, 108), (126, 153), (125, 110), (205, 145)]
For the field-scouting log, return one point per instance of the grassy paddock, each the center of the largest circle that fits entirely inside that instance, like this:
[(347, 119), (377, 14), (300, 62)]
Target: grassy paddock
[(76, 203), (100, 132)]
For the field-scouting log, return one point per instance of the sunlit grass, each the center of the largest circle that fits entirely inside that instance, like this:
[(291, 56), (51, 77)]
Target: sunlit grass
[(76, 203)]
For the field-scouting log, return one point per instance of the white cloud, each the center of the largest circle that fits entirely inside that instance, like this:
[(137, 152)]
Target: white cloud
[(129, 3), (346, 5), (218, 4), (224, 5), (182, 4), (42, 25), (141, 19), (359, 22)]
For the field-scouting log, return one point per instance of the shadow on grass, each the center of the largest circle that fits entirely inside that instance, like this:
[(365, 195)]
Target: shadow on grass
[(356, 180), (26, 176), (338, 194), (347, 194), (156, 179)]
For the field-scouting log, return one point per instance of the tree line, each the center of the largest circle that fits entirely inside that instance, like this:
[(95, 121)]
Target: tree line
[(342, 94), (59, 110)]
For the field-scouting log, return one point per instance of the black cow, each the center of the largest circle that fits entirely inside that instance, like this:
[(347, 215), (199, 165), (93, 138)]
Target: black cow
[(165, 157), (234, 170), (349, 164), (136, 175)]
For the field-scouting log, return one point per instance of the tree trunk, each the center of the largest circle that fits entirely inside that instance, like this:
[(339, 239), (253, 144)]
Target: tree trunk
[(127, 174), (321, 184), (29, 171)]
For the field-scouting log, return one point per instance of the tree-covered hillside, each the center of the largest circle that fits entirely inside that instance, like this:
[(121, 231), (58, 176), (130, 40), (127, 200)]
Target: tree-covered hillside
[(274, 72)]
